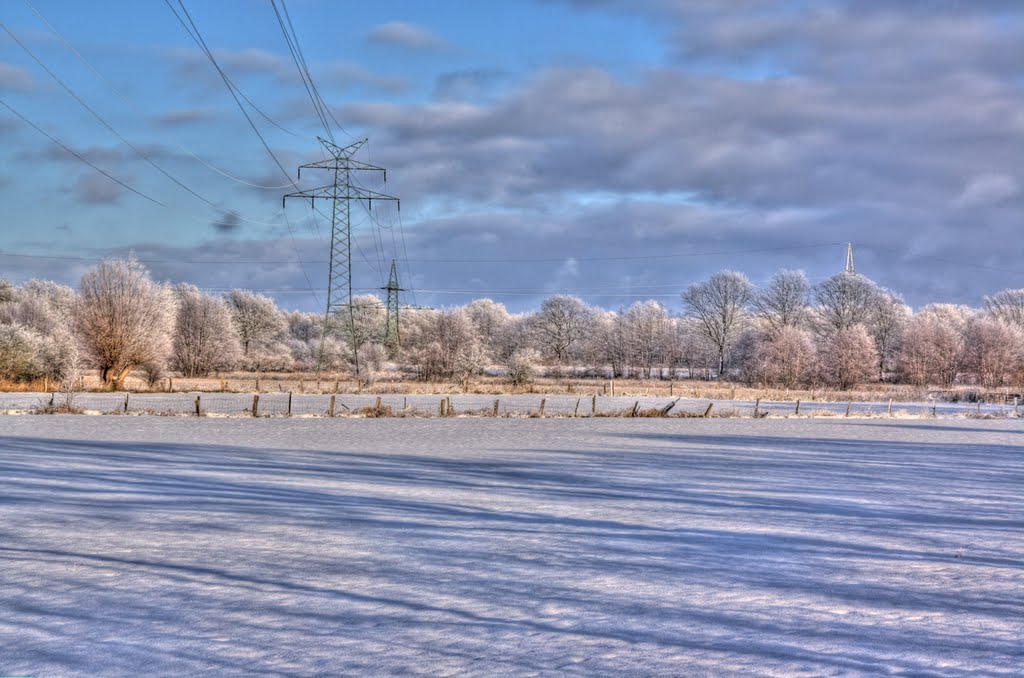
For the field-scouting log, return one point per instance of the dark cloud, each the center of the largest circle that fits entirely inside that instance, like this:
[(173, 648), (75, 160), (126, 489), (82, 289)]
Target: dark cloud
[(186, 117), (228, 223), (95, 189), (408, 36), (898, 129)]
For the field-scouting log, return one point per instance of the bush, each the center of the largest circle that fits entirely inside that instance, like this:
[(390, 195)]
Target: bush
[(522, 366)]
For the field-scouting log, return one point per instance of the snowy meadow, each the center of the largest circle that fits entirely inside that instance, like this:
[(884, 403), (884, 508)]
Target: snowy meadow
[(296, 547)]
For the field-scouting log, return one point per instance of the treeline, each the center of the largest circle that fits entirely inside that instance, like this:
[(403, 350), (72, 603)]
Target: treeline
[(842, 332)]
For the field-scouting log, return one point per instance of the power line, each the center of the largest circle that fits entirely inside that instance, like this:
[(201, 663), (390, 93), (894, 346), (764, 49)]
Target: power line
[(128, 101), (304, 75), (77, 155)]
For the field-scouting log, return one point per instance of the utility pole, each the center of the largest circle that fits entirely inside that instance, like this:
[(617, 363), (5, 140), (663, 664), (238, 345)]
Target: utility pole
[(849, 258), (341, 192), (392, 334)]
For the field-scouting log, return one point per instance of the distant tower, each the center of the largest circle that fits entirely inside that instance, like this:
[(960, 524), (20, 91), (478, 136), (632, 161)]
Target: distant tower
[(392, 334), (849, 258)]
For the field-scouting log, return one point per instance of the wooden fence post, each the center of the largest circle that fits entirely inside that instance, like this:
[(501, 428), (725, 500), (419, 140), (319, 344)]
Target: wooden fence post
[(707, 412), (256, 405), (330, 409), (757, 409), (199, 410), (848, 406), (289, 403), (444, 411), (797, 407), (126, 403), (495, 412), (542, 401), (576, 412), (889, 411), (170, 385), (636, 409), (593, 406), (611, 387)]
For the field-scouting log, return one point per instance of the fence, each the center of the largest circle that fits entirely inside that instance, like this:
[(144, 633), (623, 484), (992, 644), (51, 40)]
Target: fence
[(519, 405)]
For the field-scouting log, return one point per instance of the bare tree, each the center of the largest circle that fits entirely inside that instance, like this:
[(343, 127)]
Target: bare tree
[(720, 305), (848, 357), (784, 302), (560, 326), (1008, 306), (522, 366), (123, 318), (205, 338), (843, 301)]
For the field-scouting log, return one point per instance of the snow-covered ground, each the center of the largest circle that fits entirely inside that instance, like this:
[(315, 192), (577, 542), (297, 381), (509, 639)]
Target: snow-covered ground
[(179, 546)]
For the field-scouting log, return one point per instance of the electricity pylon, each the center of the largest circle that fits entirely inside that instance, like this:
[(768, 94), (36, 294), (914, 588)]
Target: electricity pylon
[(849, 258), (341, 192), (392, 333)]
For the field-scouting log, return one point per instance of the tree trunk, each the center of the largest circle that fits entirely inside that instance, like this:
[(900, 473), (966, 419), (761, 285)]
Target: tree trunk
[(119, 379)]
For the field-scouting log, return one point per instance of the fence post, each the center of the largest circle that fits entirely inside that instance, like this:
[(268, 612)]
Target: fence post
[(542, 401), (576, 412), (289, 403), (495, 412), (671, 389), (377, 406), (256, 405), (223, 384), (126, 403), (593, 406), (848, 406), (444, 411), (636, 408), (199, 411), (707, 412), (797, 407), (170, 384), (889, 410), (330, 409), (257, 383), (611, 387), (757, 409)]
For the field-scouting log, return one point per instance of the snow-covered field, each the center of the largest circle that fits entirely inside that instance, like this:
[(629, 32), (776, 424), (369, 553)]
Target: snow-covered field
[(179, 546)]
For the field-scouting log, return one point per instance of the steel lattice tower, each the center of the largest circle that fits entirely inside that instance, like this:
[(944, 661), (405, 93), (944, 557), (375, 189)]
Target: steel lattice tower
[(392, 332), (341, 192), (849, 258)]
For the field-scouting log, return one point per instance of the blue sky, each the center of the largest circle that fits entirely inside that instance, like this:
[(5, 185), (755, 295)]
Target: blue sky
[(618, 150)]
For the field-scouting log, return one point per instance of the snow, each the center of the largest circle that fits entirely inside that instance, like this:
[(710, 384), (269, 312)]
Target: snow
[(182, 546)]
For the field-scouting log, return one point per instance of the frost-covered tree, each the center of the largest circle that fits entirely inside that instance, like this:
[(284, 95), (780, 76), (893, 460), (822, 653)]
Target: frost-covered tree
[(489, 319), (785, 357), (647, 333), (844, 301), (847, 358), (931, 348), (719, 305), (1008, 306), (123, 318), (991, 351), (560, 326), (784, 302), (205, 338), (256, 319), (443, 345), (886, 324)]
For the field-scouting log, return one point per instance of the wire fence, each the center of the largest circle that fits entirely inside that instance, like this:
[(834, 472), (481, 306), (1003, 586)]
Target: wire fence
[(512, 406)]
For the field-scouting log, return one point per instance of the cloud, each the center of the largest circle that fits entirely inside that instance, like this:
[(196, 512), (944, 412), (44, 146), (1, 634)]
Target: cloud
[(408, 36), (93, 188), (987, 189), (350, 75), (13, 78), (228, 223), (467, 84), (185, 117)]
